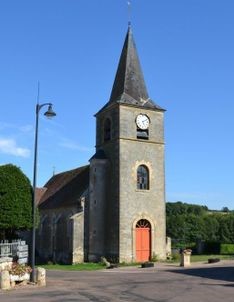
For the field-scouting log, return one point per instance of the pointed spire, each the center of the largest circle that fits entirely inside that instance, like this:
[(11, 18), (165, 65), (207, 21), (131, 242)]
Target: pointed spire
[(129, 85), (129, 78)]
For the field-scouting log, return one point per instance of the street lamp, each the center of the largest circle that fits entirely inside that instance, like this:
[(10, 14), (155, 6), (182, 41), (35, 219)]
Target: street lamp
[(49, 113)]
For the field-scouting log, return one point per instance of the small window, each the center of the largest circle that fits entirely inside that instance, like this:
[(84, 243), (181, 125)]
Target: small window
[(142, 178), (107, 130)]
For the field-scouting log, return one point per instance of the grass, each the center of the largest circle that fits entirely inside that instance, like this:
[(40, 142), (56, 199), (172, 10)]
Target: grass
[(203, 258), (74, 267), (82, 266), (196, 258), (97, 266)]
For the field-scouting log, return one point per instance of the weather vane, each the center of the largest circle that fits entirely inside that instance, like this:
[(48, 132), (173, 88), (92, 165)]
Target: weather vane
[(129, 12)]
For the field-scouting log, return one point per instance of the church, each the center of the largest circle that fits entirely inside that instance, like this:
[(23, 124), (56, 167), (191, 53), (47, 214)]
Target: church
[(115, 206)]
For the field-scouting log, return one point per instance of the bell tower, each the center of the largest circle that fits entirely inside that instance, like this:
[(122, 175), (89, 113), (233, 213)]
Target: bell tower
[(127, 183)]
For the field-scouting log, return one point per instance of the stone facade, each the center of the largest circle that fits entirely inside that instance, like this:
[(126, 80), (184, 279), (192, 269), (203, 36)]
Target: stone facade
[(141, 204), (126, 205), (121, 219)]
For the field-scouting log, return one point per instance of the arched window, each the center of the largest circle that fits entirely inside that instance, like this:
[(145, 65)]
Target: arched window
[(142, 178), (107, 130)]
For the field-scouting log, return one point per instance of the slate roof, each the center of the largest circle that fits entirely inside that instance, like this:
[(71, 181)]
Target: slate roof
[(100, 154), (39, 193), (129, 86), (64, 189)]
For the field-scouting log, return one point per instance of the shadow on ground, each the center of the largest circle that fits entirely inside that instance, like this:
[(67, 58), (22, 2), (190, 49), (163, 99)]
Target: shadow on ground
[(215, 273)]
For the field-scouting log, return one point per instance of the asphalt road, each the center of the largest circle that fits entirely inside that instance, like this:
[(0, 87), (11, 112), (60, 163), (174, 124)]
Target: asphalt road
[(164, 283)]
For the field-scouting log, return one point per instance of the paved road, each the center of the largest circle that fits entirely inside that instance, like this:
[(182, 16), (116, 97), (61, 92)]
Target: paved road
[(163, 283)]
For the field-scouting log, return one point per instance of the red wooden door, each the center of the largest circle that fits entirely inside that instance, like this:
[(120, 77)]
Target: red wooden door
[(143, 242)]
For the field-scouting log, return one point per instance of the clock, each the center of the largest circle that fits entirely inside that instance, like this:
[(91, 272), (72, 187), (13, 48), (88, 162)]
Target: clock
[(142, 121)]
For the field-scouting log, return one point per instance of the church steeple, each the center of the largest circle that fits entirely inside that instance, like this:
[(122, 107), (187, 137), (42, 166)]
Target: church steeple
[(129, 86), (129, 78), (127, 166)]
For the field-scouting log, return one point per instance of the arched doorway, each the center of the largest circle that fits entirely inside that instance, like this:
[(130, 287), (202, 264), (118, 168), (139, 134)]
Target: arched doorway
[(143, 240)]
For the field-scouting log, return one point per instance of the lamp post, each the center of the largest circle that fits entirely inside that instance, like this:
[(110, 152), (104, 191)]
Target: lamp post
[(49, 113)]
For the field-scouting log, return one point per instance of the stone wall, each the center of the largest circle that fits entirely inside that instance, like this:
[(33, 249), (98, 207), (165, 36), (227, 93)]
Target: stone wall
[(5, 263), (56, 241)]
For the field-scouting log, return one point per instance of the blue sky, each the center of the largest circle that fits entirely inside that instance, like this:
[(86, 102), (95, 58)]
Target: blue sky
[(73, 46)]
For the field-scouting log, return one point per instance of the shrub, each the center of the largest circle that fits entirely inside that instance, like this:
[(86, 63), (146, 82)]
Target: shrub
[(154, 258), (15, 201), (226, 249), (176, 257)]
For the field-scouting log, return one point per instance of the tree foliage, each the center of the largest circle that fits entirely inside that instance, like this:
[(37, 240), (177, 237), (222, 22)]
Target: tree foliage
[(188, 223), (15, 200), (178, 208)]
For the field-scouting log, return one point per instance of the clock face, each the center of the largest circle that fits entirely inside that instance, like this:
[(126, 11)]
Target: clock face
[(142, 121)]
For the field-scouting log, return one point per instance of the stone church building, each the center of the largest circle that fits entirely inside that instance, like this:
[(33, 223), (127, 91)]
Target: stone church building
[(115, 206)]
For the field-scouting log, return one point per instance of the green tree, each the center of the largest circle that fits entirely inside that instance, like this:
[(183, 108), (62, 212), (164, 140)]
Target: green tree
[(185, 221), (211, 228), (189, 222), (180, 208), (176, 226), (226, 227), (194, 225), (15, 201)]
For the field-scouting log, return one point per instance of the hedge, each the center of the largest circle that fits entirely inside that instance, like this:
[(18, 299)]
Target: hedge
[(218, 248), (226, 249)]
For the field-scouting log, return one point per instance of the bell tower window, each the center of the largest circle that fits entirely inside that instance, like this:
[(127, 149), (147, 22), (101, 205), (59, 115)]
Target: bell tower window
[(142, 134), (142, 178), (107, 130)]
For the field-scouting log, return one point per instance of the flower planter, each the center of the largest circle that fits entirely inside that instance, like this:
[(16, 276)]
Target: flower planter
[(18, 278)]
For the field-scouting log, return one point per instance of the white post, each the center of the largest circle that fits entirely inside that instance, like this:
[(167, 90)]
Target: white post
[(185, 258), (41, 276), (5, 280)]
